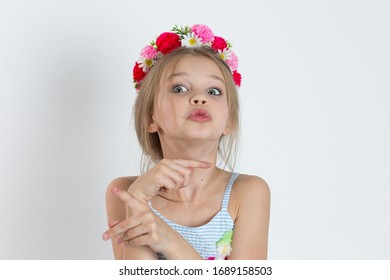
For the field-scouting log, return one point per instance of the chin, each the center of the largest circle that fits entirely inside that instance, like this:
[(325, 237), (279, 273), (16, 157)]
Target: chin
[(203, 135)]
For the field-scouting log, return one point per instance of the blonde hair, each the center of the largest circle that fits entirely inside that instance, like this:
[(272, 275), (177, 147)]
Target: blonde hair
[(145, 103)]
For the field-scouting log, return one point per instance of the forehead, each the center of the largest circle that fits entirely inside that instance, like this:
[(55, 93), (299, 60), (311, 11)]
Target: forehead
[(193, 65)]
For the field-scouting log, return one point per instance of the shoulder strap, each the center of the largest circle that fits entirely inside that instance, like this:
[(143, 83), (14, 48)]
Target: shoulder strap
[(226, 195)]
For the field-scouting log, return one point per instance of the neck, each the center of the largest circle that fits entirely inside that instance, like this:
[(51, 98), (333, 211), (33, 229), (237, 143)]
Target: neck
[(194, 150)]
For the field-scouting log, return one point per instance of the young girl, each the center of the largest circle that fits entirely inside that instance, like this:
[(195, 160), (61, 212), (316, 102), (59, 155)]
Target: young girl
[(185, 206)]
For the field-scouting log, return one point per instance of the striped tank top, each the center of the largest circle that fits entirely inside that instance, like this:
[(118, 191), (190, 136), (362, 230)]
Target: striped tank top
[(209, 240)]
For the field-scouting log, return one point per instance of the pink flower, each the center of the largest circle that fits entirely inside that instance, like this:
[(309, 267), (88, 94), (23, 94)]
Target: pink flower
[(203, 32), (149, 52), (232, 60)]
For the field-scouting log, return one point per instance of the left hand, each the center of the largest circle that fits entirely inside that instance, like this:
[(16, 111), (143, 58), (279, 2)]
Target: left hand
[(143, 227), (166, 175)]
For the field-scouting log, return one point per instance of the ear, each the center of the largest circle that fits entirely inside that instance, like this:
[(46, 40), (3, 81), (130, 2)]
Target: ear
[(153, 126), (226, 131)]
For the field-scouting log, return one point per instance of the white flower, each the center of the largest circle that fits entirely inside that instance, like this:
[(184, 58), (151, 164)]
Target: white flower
[(145, 63), (225, 54), (223, 250), (191, 40)]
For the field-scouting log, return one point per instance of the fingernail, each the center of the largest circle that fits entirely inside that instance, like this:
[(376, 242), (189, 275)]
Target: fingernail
[(105, 236)]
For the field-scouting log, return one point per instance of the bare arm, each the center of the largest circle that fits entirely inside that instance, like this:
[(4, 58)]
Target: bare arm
[(251, 208), (116, 212)]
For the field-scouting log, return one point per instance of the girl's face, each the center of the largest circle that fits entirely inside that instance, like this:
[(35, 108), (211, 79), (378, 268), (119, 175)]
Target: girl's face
[(191, 103)]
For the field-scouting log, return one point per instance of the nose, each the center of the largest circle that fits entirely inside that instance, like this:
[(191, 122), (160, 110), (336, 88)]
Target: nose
[(198, 100)]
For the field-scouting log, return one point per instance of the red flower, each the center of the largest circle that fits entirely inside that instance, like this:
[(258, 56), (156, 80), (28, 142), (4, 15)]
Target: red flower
[(167, 42), (219, 43), (237, 78), (138, 74)]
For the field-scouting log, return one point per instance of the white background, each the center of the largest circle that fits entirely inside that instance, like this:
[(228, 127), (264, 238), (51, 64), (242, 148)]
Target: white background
[(315, 118)]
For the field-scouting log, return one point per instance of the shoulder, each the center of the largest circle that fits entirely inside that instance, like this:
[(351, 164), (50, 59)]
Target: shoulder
[(249, 192), (248, 185)]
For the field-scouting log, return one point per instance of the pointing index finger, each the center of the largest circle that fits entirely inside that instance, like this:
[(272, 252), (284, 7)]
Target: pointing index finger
[(194, 163)]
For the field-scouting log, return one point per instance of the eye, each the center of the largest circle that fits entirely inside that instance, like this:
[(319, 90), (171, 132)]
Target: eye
[(214, 91), (179, 89)]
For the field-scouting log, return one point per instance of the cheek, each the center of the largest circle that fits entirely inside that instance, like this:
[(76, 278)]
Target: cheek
[(225, 112), (222, 117), (165, 112)]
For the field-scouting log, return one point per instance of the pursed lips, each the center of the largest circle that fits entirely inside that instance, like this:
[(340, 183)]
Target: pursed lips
[(199, 115)]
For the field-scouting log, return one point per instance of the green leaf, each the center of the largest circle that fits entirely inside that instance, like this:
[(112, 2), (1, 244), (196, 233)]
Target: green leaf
[(226, 238)]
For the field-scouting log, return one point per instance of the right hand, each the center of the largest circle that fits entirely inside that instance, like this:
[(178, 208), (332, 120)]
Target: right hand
[(142, 228), (167, 174)]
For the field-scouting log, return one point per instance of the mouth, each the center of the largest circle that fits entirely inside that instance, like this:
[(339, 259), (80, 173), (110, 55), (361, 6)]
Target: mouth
[(199, 115)]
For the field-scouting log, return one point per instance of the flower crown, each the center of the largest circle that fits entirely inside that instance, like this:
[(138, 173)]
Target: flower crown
[(196, 36)]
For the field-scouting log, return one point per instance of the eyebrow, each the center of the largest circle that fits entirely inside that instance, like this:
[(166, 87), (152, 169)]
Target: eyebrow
[(178, 74)]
